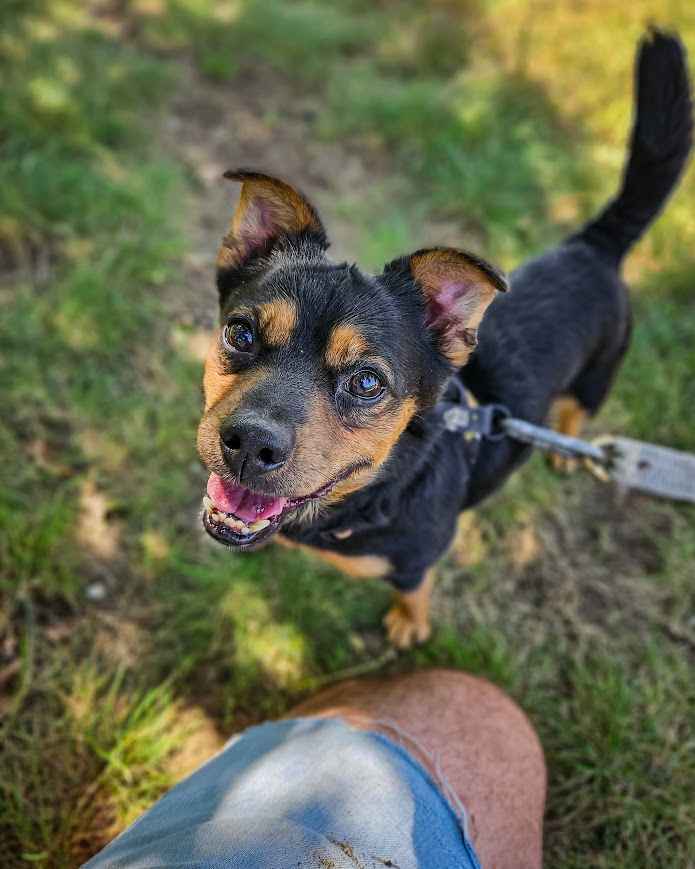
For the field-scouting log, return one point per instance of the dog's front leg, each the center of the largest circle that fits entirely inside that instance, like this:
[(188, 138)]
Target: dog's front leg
[(408, 620)]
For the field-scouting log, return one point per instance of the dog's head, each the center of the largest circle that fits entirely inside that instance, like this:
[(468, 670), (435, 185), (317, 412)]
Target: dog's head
[(317, 367)]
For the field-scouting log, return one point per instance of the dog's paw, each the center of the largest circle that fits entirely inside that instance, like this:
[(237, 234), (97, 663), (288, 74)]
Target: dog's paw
[(563, 464), (403, 629)]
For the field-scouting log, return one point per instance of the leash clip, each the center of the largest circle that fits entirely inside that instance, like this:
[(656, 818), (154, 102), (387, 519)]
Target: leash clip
[(487, 421), (474, 422)]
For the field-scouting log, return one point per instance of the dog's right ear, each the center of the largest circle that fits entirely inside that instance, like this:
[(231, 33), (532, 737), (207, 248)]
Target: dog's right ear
[(269, 211), (457, 288)]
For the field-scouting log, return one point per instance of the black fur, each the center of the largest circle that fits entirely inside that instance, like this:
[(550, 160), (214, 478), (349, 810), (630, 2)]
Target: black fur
[(307, 246)]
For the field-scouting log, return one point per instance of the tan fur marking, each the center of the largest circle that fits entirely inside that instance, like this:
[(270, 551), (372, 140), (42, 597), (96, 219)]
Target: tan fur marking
[(223, 393), (408, 620), (568, 417), (346, 345), (276, 321), (325, 447), (354, 566), (216, 384), (376, 442)]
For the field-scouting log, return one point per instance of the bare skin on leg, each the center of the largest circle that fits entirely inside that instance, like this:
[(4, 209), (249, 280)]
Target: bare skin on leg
[(568, 418), (408, 620), (485, 747)]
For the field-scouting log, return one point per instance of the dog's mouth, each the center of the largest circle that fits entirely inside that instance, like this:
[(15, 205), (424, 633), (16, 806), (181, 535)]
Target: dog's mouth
[(241, 518)]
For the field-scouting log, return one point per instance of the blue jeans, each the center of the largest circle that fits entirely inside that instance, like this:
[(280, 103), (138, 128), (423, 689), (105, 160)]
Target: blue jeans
[(302, 793)]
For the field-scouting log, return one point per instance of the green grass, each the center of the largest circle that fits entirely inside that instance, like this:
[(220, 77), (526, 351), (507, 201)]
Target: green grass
[(576, 601)]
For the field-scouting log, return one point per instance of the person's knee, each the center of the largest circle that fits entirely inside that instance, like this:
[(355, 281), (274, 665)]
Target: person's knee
[(483, 708), (480, 739)]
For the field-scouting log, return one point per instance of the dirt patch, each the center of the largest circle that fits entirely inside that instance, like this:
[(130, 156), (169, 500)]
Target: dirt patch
[(258, 121), (262, 121), (589, 571)]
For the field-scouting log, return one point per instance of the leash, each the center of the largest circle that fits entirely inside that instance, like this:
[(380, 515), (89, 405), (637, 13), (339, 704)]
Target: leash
[(631, 464)]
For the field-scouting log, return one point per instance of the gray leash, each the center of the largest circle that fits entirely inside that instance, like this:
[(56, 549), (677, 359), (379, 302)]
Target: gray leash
[(632, 464), (655, 470), (551, 441)]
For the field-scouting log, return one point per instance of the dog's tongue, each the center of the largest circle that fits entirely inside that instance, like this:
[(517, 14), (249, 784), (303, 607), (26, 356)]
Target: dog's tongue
[(244, 503)]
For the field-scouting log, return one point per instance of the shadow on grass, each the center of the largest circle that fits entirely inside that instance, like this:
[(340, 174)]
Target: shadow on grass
[(254, 632)]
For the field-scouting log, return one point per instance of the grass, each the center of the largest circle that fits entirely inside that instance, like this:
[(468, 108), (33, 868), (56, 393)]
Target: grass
[(125, 639)]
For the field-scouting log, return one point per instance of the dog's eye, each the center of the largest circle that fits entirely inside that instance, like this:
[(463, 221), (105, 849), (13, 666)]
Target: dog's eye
[(365, 384), (238, 336)]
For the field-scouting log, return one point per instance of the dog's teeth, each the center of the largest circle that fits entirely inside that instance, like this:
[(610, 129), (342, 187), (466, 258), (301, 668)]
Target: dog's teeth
[(235, 524), (232, 521)]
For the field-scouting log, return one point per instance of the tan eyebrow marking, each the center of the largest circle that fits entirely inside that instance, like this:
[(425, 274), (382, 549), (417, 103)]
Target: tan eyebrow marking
[(218, 383), (346, 345), (277, 320)]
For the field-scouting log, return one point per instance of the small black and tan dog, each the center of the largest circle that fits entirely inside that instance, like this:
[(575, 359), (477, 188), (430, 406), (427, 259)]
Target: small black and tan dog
[(322, 383)]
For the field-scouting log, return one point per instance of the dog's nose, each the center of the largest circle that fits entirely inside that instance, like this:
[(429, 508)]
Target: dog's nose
[(253, 446)]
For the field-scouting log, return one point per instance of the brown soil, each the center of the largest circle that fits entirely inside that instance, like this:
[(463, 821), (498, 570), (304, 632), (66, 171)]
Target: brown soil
[(263, 121), (260, 121)]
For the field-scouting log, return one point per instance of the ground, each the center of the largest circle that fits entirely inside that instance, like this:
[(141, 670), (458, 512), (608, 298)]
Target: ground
[(130, 646)]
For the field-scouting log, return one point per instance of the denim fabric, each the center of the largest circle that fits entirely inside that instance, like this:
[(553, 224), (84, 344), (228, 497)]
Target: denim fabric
[(298, 794)]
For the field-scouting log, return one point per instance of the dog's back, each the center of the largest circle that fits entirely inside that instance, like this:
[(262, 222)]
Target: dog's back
[(565, 326)]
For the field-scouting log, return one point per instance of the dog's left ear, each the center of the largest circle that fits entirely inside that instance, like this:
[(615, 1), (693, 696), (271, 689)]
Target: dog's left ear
[(269, 211), (457, 289)]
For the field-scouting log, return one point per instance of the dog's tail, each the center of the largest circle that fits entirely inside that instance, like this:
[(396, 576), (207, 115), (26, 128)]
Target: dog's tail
[(659, 146)]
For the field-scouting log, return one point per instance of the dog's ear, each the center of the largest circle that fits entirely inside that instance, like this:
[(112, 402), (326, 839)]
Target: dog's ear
[(457, 288), (269, 211)]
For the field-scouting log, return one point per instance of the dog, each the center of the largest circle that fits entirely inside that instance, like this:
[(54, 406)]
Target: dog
[(322, 385)]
